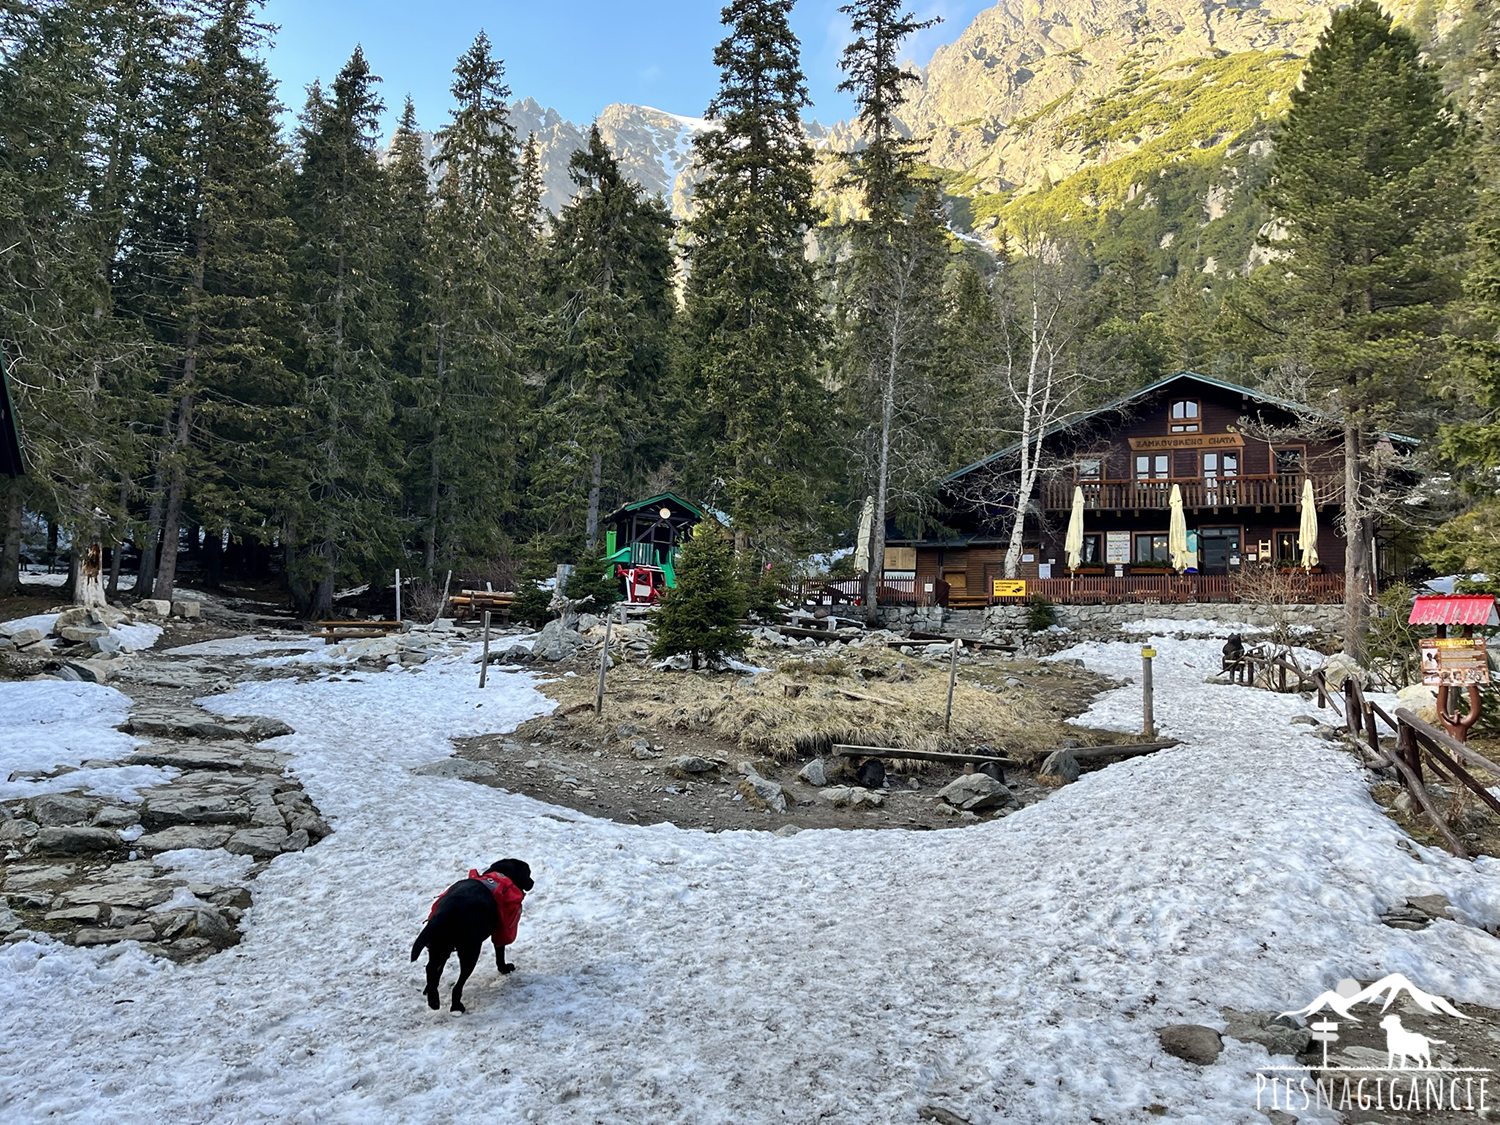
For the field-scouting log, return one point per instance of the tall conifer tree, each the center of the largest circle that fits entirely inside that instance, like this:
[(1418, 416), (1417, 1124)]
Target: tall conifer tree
[(751, 301), (472, 390), (612, 304), (1370, 183), (337, 521)]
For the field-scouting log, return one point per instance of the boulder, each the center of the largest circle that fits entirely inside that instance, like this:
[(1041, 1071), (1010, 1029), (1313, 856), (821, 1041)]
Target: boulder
[(814, 773), (187, 607), (105, 645), (456, 767), (72, 840), (116, 816), (1338, 667), (1060, 764), (22, 638), (641, 750), (262, 843), (851, 797), (555, 642), (976, 792), (186, 836), (17, 831), (761, 792), (92, 671), (1421, 700), (90, 915), (691, 763), (787, 830), (51, 810), (1279, 1036), (515, 654), (156, 607), (1191, 1042), (80, 634), (164, 808)]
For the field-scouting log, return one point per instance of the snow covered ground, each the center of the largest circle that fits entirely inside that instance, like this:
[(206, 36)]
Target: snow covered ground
[(1014, 971)]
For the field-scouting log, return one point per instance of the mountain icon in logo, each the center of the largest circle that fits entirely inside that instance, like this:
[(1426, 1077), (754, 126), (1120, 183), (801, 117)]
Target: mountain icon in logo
[(1348, 994)]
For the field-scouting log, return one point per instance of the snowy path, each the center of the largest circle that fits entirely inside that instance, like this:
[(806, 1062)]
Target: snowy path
[(1012, 972)]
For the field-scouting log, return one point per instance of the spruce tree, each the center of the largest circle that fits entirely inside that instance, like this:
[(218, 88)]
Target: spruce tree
[(82, 84), (609, 339), (472, 393), (1370, 185), (210, 246), (337, 522), (701, 615), (752, 308)]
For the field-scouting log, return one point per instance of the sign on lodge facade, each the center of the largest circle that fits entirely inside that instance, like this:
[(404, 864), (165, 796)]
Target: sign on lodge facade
[(1241, 497)]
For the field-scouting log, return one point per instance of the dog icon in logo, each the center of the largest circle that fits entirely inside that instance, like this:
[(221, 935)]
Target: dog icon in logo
[(1403, 1044)]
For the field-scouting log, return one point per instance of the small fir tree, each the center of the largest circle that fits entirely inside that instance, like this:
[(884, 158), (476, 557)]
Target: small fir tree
[(701, 615)]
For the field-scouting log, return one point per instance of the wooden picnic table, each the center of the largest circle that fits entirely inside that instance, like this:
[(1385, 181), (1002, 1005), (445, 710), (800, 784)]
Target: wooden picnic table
[(474, 602)]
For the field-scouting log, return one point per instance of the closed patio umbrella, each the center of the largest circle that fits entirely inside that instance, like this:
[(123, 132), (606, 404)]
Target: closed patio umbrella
[(1177, 546), (865, 545), (1074, 542), (1307, 532)]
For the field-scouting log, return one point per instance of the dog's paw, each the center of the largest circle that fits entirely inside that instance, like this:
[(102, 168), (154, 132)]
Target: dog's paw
[(507, 969), (457, 1007), (432, 1000)]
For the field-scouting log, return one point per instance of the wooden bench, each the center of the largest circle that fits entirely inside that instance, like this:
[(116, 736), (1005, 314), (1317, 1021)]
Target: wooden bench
[(354, 630), (468, 603)]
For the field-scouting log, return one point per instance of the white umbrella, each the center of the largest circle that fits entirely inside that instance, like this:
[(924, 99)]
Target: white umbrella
[(1177, 533), (1074, 542), (1307, 532), (864, 545)]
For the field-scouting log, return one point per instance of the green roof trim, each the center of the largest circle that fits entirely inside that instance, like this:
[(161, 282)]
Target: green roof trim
[(658, 498), (1152, 388)]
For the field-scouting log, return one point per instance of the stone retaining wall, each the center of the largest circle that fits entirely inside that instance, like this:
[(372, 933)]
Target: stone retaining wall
[(972, 622)]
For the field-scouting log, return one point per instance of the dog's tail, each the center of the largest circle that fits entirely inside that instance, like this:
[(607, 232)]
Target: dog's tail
[(421, 942)]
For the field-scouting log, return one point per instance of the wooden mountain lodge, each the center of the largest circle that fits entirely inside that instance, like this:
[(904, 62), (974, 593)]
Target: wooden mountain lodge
[(1241, 496)]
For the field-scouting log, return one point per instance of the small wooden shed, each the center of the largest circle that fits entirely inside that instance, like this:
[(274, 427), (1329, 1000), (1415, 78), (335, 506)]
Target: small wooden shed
[(650, 530)]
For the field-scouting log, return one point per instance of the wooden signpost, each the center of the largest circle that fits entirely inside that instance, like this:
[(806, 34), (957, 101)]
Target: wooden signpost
[(1148, 702)]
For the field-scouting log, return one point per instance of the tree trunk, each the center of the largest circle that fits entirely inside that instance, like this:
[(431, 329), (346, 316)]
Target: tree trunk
[(10, 556), (1356, 544), (882, 484), (171, 528), (117, 550), (596, 485), (88, 586)]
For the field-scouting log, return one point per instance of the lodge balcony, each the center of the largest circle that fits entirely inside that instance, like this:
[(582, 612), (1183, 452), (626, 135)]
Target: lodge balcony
[(1284, 491)]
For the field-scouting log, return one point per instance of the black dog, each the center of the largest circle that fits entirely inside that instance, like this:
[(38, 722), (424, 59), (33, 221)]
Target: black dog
[(1234, 653), (479, 907)]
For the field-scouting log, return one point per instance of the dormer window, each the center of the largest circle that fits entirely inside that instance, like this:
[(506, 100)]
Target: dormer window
[(1185, 416)]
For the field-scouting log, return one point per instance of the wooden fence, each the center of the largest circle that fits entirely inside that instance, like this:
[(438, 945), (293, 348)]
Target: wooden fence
[(1419, 744)]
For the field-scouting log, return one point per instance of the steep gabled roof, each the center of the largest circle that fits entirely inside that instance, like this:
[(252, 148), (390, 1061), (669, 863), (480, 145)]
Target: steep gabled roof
[(657, 499), (1150, 389), (11, 464)]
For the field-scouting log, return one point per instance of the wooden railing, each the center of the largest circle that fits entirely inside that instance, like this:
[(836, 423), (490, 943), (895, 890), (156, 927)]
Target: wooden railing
[(1197, 492), (1294, 587)]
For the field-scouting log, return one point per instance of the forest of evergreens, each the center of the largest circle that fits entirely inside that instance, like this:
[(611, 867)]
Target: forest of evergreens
[(315, 357)]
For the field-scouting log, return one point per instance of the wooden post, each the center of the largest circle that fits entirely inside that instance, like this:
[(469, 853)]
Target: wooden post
[(952, 679), (443, 605), (398, 593), (484, 662), (609, 625), (1148, 700)]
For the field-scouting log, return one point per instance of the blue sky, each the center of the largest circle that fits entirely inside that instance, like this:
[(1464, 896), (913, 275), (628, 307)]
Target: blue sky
[(576, 56)]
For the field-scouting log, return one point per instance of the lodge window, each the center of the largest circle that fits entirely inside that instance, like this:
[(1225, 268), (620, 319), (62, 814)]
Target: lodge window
[(1287, 552), (1290, 460), (1089, 468), (1150, 466), (1185, 416), (1219, 471), (1093, 550), (1152, 548)]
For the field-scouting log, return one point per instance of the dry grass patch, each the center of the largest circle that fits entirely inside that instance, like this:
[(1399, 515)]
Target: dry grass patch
[(806, 705)]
